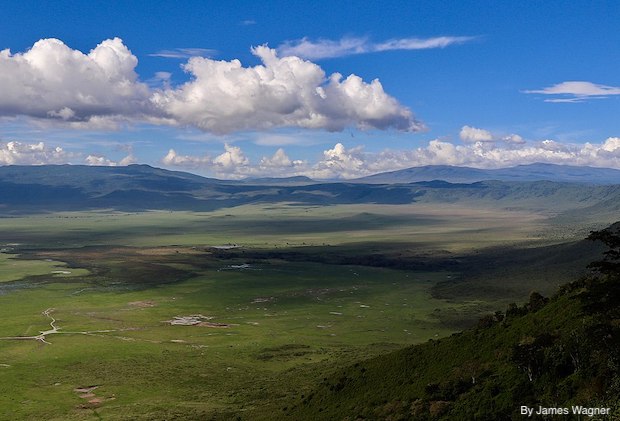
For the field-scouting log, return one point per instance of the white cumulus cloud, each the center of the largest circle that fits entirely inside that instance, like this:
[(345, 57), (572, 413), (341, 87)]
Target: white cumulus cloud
[(233, 164), (233, 157), (513, 138), (19, 153), (224, 96), (186, 161), (491, 155), (53, 81), (278, 160), (39, 153), (100, 160), (53, 84), (611, 145), (470, 134), (278, 165), (341, 162)]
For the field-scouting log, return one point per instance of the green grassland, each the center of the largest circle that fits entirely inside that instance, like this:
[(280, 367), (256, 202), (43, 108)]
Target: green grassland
[(12, 269), (446, 226), (279, 316), (296, 301)]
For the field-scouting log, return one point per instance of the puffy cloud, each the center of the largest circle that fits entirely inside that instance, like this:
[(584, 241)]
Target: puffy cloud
[(18, 153), (606, 154), (513, 138), (340, 162), (223, 96), (552, 145), (55, 84), (21, 153), (278, 165), (612, 145), (325, 48), (576, 91), (470, 134), (53, 81), (187, 161), (232, 158), (278, 160), (233, 164), (128, 160), (99, 160)]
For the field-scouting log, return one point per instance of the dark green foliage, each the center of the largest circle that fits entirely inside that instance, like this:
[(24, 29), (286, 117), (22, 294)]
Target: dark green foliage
[(553, 352), (543, 269), (536, 301), (610, 265)]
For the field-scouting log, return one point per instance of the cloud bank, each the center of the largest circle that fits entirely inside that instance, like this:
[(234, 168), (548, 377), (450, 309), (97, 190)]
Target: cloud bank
[(18, 153), (38, 153), (233, 164), (55, 84), (342, 162)]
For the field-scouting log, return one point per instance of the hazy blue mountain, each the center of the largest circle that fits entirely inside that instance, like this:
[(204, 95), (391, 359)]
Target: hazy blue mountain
[(48, 188), (102, 178), (531, 172), (141, 187), (280, 181)]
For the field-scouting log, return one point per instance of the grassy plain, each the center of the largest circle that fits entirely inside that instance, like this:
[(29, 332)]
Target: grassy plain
[(272, 326), (446, 226), (12, 269)]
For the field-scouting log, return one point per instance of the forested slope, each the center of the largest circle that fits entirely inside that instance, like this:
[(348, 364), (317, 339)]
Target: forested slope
[(555, 352)]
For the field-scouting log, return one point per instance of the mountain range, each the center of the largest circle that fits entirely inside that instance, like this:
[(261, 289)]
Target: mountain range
[(531, 172), (141, 187)]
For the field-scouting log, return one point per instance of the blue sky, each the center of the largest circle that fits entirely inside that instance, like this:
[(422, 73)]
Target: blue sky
[(480, 83)]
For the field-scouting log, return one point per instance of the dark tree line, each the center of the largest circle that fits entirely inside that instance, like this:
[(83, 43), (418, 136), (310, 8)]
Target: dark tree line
[(610, 265)]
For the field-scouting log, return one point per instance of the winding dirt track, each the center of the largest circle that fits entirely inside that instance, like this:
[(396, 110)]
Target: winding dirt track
[(42, 336)]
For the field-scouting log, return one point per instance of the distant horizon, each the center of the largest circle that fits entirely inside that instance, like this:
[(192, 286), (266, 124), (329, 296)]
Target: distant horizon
[(317, 179)]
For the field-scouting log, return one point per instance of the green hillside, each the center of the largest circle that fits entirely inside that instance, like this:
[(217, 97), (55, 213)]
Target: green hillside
[(559, 352)]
